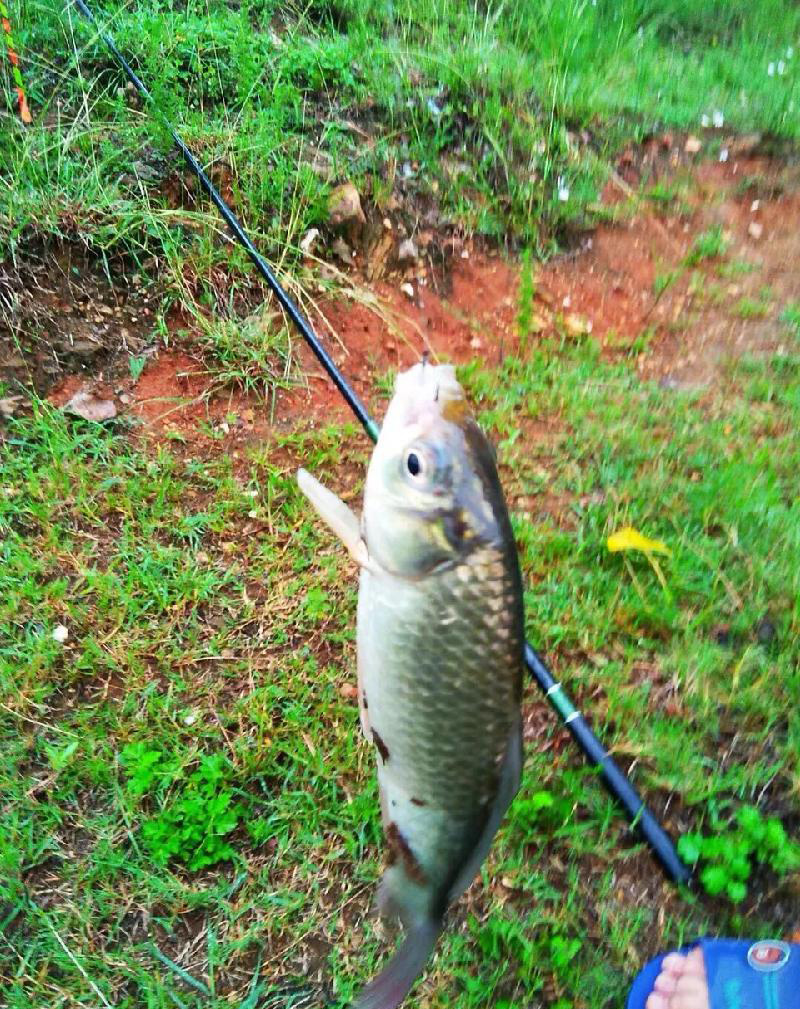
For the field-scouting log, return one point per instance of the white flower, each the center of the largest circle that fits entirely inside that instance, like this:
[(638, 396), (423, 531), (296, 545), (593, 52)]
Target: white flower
[(563, 189), (771, 70), (705, 121), (718, 119), (781, 68), (723, 154), (60, 634)]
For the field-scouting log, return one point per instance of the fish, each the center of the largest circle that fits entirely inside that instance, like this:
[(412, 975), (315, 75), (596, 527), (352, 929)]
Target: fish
[(440, 651)]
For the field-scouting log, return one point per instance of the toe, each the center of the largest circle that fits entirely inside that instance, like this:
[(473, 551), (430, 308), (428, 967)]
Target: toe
[(666, 983), (689, 1001), (694, 963), (691, 992), (690, 984), (656, 1001), (673, 963)]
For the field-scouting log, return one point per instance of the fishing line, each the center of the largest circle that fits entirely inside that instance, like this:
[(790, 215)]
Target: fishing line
[(613, 777)]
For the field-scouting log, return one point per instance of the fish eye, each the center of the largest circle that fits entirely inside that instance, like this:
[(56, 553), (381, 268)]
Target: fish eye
[(425, 467)]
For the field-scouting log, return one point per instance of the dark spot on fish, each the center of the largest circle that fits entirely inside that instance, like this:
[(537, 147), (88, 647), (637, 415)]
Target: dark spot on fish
[(364, 702), (383, 749), (399, 850), (456, 528), (418, 802), (394, 802)]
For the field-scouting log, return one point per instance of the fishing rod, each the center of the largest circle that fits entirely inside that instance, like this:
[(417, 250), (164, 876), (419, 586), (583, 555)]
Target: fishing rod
[(613, 777)]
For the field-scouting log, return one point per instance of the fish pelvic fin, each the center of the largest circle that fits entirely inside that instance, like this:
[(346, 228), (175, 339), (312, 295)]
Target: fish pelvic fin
[(395, 981), (337, 516)]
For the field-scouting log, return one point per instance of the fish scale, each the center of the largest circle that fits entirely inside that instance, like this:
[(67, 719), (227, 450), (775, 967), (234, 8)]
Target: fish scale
[(439, 685)]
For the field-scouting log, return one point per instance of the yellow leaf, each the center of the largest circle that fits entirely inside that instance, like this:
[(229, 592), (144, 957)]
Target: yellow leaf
[(631, 539)]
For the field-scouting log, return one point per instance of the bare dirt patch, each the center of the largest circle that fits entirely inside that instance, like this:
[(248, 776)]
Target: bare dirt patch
[(66, 311), (718, 308), (71, 322)]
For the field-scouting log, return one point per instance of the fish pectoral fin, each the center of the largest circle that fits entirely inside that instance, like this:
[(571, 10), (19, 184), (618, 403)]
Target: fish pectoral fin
[(337, 516), (510, 775)]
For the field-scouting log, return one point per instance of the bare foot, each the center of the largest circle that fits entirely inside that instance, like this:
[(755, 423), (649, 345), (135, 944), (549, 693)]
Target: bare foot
[(681, 984)]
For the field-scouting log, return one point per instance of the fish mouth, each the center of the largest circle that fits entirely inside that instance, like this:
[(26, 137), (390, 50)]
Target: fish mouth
[(424, 394)]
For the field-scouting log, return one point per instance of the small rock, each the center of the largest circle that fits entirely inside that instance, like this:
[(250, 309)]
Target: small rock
[(343, 251), (190, 719), (344, 207), (693, 145), (407, 251), (745, 145), (89, 407), (722, 635), (387, 224), (755, 230), (83, 348), (576, 325), (320, 163), (766, 631), (754, 206), (348, 690), (308, 239), (408, 291), (60, 634), (475, 343), (8, 405)]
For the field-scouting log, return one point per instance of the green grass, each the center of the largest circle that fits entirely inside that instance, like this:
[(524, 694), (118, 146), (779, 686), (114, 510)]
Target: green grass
[(189, 817), (195, 713), (481, 110)]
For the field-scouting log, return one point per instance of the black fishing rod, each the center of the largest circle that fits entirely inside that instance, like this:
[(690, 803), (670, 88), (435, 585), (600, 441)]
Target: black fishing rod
[(613, 777)]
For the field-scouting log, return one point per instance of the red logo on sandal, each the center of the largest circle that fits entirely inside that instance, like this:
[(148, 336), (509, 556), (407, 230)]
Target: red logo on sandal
[(768, 955)]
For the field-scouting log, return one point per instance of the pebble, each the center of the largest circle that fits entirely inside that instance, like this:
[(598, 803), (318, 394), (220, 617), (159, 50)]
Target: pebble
[(407, 250)]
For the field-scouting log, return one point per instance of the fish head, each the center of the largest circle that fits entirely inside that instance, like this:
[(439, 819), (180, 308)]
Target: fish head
[(432, 493)]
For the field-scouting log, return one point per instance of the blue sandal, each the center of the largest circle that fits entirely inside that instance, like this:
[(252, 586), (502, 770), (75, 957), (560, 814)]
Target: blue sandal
[(741, 974)]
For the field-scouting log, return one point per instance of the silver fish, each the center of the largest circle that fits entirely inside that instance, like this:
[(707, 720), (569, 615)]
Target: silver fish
[(440, 654)]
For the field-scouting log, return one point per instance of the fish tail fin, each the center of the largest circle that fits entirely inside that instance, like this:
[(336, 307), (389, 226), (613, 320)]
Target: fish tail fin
[(394, 982)]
